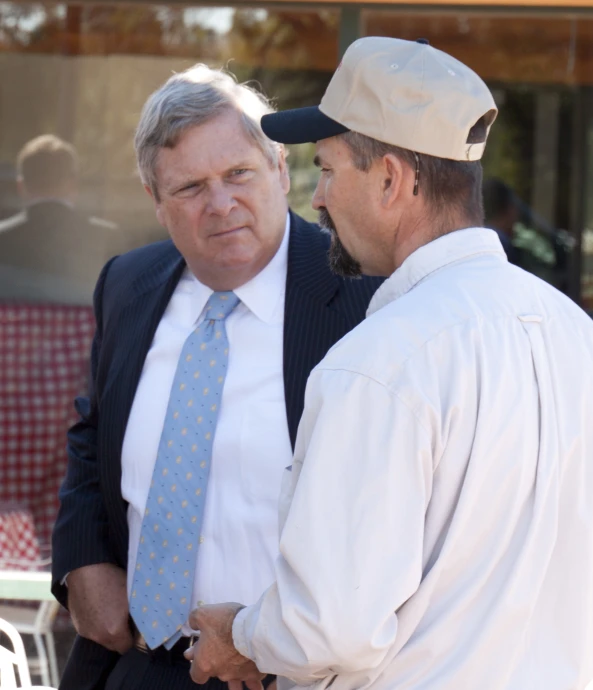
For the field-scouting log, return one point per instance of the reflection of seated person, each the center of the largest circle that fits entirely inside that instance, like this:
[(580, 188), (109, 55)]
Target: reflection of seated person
[(50, 251), (528, 239), (502, 211)]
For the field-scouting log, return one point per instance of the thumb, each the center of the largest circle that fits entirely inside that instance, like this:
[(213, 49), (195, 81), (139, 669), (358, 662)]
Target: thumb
[(200, 616)]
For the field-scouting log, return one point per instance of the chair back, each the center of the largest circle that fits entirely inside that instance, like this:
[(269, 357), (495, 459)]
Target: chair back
[(48, 610), (11, 660)]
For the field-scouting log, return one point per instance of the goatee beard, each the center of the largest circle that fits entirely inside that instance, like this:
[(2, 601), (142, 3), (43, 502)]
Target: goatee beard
[(341, 262)]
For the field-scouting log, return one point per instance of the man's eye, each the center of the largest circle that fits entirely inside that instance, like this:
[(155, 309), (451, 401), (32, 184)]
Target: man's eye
[(239, 171), (189, 187)]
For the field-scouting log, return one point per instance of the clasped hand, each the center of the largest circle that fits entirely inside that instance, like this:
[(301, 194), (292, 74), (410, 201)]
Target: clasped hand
[(214, 654)]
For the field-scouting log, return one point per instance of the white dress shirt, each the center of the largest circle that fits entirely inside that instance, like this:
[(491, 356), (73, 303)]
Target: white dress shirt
[(437, 524), (251, 444)]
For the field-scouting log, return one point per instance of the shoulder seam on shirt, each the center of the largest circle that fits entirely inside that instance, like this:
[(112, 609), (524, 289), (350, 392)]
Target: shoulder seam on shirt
[(389, 390), (406, 362), (324, 367)]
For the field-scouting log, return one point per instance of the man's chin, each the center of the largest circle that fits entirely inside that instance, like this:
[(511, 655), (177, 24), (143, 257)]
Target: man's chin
[(345, 271), (340, 261)]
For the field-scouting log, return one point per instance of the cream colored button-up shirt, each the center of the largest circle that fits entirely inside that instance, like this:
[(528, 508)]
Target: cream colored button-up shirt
[(437, 523)]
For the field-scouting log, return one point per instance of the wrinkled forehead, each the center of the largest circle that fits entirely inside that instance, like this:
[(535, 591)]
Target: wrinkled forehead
[(225, 127), (209, 149)]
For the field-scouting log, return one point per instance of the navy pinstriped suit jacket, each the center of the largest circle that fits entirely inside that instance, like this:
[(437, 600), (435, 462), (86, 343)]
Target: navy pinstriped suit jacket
[(131, 296)]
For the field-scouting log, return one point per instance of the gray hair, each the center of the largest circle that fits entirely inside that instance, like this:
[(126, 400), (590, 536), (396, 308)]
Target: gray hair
[(447, 185), (192, 98)]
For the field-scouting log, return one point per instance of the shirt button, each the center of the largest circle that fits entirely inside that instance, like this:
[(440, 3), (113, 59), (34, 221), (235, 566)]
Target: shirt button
[(201, 540), (201, 603)]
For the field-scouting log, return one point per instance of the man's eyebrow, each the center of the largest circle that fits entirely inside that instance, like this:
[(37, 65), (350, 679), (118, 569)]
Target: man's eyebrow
[(241, 165), (317, 161), (179, 184)]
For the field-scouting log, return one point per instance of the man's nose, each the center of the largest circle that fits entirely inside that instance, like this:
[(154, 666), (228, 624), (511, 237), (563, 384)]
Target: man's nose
[(221, 201), (318, 196)]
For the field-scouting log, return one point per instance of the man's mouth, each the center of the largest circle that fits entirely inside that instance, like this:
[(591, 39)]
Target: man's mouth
[(230, 231)]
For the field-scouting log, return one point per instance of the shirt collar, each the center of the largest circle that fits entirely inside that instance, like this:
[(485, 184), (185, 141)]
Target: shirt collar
[(447, 249), (263, 295), (49, 199)]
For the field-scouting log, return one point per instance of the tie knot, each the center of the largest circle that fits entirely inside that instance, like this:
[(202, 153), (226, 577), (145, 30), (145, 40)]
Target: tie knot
[(220, 305)]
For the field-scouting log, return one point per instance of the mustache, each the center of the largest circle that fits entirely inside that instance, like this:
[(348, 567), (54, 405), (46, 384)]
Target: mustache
[(341, 261), (326, 221)]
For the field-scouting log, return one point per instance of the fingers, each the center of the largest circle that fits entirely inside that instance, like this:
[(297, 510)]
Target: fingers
[(197, 675), (195, 619), (197, 672), (254, 684), (214, 655), (98, 602), (213, 616), (124, 642), (115, 638)]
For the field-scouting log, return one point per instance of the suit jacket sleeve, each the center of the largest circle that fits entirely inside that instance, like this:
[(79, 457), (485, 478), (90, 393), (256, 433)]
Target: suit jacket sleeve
[(80, 535)]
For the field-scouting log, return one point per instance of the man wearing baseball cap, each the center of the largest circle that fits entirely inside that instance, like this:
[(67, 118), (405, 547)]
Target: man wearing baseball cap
[(437, 520)]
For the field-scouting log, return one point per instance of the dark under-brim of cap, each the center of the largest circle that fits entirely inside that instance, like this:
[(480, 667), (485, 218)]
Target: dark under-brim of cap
[(300, 126)]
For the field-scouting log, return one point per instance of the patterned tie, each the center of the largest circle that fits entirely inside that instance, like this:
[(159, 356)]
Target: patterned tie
[(169, 539)]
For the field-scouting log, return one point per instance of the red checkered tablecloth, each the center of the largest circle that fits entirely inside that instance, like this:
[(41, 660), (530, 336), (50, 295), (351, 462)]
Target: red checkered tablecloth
[(44, 354), (18, 540)]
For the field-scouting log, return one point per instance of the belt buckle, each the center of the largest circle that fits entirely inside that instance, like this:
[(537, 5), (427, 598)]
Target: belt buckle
[(140, 643)]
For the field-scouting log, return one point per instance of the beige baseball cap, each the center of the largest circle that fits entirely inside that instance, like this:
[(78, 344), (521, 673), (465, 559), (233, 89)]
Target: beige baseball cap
[(404, 93)]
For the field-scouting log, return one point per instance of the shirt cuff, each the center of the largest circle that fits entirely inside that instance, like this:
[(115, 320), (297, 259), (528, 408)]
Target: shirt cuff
[(242, 644)]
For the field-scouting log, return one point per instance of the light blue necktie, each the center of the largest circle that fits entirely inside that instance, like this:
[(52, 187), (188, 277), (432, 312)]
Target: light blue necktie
[(170, 535)]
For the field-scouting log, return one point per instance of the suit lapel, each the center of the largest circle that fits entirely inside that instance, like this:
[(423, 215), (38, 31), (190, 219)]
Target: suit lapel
[(133, 332), (311, 326)]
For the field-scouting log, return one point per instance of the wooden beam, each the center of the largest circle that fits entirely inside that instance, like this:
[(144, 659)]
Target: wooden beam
[(564, 6)]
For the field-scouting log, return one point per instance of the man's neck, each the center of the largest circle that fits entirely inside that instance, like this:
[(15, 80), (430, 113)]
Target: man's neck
[(421, 232)]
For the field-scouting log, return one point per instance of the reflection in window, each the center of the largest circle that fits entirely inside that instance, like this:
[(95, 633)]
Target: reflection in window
[(83, 72)]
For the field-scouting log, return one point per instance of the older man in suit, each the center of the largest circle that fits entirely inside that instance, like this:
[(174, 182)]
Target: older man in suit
[(202, 352), (50, 251)]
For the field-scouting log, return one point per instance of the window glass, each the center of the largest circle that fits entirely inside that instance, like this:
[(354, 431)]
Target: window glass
[(83, 72), (537, 67)]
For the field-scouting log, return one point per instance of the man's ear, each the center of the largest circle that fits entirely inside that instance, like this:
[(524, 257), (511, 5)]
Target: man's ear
[(283, 170), (393, 172), (157, 206)]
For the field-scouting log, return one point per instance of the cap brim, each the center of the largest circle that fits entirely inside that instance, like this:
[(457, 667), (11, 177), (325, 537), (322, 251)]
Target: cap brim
[(300, 126)]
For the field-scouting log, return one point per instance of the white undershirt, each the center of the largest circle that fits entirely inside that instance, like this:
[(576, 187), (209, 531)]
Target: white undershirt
[(251, 445)]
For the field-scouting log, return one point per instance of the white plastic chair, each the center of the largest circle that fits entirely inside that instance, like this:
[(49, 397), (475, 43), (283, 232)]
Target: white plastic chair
[(11, 659), (38, 623)]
